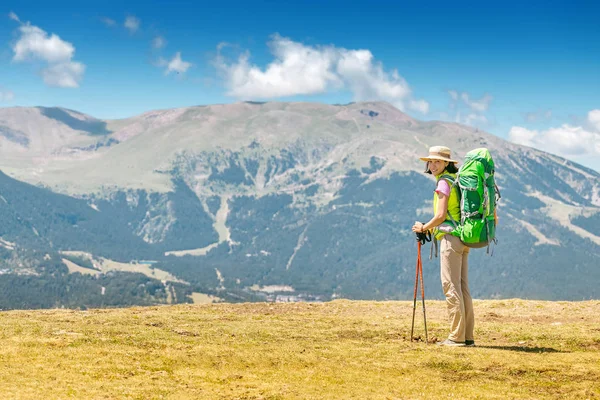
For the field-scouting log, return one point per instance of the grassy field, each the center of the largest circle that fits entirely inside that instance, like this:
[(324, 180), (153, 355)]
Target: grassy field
[(337, 350)]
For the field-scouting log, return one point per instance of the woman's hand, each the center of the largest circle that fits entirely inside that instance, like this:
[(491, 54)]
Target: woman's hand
[(417, 227)]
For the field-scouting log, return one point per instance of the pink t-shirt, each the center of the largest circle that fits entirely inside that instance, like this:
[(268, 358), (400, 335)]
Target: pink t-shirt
[(443, 187)]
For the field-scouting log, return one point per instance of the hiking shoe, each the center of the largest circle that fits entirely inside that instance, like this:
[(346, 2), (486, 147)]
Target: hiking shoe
[(470, 343), (452, 343)]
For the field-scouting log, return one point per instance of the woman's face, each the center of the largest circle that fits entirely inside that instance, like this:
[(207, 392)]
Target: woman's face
[(437, 166)]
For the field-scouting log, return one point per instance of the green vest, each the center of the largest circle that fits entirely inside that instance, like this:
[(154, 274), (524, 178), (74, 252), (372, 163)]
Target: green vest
[(453, 206)]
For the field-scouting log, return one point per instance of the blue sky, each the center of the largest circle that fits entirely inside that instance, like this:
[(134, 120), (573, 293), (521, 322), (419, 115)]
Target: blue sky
[(529, 72)]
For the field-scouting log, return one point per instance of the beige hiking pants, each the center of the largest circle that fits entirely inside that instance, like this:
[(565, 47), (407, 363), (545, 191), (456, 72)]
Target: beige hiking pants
[(454, 257)]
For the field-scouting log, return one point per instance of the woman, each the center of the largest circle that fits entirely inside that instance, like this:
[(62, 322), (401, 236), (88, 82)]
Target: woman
[(453, 253)]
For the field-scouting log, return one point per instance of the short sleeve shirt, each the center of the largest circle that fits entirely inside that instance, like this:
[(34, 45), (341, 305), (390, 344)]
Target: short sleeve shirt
[(443, 187)]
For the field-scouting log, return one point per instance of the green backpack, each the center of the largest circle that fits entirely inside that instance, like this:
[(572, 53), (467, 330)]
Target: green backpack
[(478, 197)]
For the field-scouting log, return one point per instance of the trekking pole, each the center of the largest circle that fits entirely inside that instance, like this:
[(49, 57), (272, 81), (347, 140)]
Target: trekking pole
[(423, 294), (415, 296), (421, 239)]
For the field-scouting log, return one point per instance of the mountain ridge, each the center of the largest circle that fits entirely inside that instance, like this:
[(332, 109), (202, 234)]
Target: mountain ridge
[(400, 144), (315, 197)]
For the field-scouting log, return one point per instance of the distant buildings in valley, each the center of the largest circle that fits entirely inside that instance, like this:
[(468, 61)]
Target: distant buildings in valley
[(289, 298)]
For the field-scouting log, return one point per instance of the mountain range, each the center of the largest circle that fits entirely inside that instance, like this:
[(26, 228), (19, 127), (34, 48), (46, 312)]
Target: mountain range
[(253, 201)]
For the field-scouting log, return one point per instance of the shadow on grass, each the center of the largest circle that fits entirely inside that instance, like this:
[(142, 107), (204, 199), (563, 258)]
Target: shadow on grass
[(523, 349)]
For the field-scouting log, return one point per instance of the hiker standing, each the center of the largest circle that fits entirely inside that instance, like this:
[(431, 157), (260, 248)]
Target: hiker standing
[(454, 254)]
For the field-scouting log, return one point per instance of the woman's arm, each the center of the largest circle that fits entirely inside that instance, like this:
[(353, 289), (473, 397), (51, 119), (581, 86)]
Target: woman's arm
[(438, 218)]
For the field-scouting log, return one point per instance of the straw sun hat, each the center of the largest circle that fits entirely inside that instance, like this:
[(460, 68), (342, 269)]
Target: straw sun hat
[(438, 153)]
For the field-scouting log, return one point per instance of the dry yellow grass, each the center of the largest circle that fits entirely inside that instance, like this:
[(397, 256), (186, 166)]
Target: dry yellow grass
[(337, 350)]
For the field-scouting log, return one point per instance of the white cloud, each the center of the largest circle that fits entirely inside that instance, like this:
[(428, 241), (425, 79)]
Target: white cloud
[(298, 69), (480, 105), (462, 104), (368, 80), (176, 64), (6, 95), (108, 21), (572, 140), (159, 42), (471, 119), (132, 24), (13, 16), (475, 119), (419, 105), (34, 44), (67, 74), (523, 136), (566, 140), (594, 119)]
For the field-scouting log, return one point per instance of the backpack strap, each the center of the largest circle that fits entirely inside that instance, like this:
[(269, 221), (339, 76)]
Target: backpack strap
[(450, 179), (453, 220), (434, 245), (453, 182)]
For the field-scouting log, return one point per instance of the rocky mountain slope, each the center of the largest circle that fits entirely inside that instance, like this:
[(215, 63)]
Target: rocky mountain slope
[(304, 199)]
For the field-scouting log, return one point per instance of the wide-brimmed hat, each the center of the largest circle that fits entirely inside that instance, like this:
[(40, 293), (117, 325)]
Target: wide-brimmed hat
[(438, 153)]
